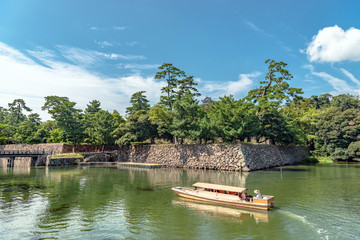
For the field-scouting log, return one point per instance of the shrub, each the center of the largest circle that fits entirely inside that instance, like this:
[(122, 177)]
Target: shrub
[(353, 151), (339, 154)]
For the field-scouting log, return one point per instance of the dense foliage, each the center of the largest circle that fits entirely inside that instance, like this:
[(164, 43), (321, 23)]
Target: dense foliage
[(272, 113)]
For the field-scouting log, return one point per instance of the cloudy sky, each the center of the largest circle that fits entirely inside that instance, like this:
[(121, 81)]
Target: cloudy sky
[(107, 50)]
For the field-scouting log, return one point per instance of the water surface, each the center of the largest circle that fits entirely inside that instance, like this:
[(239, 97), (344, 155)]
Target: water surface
[(312, 202)]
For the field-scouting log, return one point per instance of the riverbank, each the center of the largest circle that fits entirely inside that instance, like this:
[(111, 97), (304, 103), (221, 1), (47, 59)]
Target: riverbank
[(244, 157)]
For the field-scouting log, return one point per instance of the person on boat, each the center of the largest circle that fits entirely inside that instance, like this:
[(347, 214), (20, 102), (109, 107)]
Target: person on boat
[(243, 196), (258, 194)]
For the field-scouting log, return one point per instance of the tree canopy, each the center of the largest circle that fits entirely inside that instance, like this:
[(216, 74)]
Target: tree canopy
[(274, 113)]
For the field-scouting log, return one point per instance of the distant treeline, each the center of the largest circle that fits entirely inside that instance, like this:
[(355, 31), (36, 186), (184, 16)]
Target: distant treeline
[(273, 113)]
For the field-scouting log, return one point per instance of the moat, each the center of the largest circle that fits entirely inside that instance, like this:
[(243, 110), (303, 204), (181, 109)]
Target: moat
[(312, 202)]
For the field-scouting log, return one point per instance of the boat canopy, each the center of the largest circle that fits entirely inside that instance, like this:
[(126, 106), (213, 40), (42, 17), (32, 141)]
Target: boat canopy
[(219, 187)]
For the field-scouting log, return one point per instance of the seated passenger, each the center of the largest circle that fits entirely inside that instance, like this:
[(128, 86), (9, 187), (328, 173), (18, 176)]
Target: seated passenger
[(258, 194), (243, 196)]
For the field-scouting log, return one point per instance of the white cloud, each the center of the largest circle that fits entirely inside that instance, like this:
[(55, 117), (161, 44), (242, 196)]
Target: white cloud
[(333, 44), (21, 77), (120, 28), (14, 54), (131, 44), (86, 58), (252, 26), (104, 44), (230, 87), (139, 66), (351, 77), (79, 56), (339, 85), (255, 28), (115, 56), (116, 28)]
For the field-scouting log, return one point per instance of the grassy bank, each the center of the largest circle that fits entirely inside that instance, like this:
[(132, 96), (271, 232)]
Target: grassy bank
[(67, 156), (316, 160)]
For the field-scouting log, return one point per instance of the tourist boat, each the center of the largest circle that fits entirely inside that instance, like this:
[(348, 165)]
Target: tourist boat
[(224, 195)]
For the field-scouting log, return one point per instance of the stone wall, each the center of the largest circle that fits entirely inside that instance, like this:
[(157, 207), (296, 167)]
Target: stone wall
[(63, 161), (217, 157), (267, 156), (33, 148), (87, 148), (245, 157)]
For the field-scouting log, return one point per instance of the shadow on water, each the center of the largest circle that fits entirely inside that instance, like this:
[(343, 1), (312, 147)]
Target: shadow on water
[(145, 188), (61, 207), (16, 187)]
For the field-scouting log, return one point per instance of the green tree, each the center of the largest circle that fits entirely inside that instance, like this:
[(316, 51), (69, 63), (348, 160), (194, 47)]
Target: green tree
[(303, 117), (43, 134), (27, 129), (277, 129), (93, 107), (3, 115), (322, 101), (233, 119), (185, 115), (57, 135), (138, 102), (187, 86), (138, 126), (171, 74), (16, 109), (205, 126), (100, 127), (336, 130), (177, 120), (353, 151), (345, 101), (6, 133), (162, 117), (275, 89), (67, 117), (117, 117)]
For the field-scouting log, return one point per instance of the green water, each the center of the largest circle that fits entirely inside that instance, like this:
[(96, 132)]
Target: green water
[(312, 202)]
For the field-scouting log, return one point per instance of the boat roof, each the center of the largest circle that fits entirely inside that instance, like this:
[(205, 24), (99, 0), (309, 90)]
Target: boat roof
[(219, 187)]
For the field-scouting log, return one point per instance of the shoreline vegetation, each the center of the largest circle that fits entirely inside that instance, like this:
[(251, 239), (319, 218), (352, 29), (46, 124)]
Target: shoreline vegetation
[(272, 113), (67, 155)]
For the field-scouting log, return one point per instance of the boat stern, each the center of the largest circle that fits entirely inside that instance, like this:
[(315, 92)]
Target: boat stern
[(266, 200)]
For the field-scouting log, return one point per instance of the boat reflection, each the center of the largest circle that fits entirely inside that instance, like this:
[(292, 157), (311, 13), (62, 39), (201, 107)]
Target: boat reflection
[(240, 214)]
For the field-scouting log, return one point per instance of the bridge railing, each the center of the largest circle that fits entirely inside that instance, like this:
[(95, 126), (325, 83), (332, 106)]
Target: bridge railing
[(24, 152), (27, 152)]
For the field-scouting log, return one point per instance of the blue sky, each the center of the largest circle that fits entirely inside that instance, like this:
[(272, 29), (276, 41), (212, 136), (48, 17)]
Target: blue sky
[(107, 50)]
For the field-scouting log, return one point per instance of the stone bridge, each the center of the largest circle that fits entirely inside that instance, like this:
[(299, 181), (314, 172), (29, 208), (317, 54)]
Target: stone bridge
[(22, 158), (13, 155)]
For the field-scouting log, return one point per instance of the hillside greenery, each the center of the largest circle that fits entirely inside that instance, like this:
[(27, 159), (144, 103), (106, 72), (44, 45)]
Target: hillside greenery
[(273, 113)]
